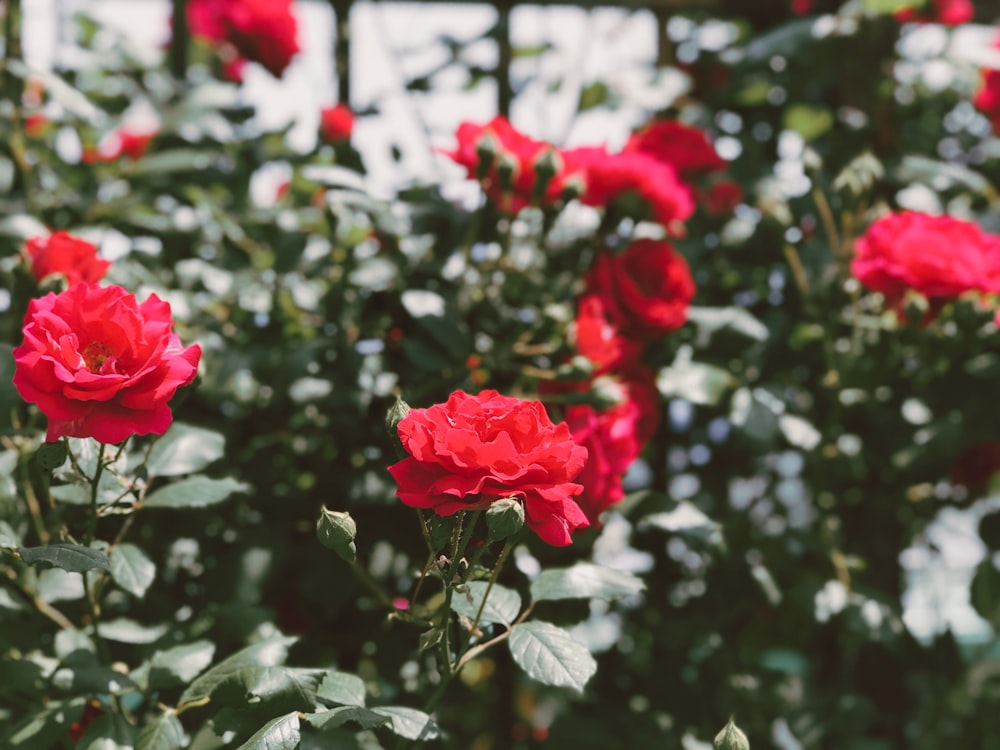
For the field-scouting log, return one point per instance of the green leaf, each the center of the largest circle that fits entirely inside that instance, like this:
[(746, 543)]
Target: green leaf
[(131, 569), (593, 95), (985, 591), (185, 449), (409, 722), (72, 557), (194, 492), (56, 585), (710, 320), (916, 168), (109, 731), (502, 606), (335, 717), (697, 382), (684, 517), (281, 733), (82, 673), (584, 581), (175, 160), (989, 530), (124, 630), (47, 727), (8, 537), (551, 655), (267, 653), (163, 733), (342, 687), (294, 688), (180, 664), (808, 120), (885, 7)]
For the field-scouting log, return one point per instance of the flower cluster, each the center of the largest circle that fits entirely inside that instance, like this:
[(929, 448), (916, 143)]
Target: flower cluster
[(938, 257), (656, 166), (261, 31)]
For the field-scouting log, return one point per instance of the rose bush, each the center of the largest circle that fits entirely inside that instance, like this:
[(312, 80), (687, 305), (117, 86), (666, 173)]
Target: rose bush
[(98, 364)]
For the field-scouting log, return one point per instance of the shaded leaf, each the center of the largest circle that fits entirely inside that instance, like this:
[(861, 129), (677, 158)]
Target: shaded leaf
[(131, 569), (194, 492), (585, 581), (282, 733), (163, 733), (72, 557), (409, 722), (335, 717), (342, 687), (267, 653)]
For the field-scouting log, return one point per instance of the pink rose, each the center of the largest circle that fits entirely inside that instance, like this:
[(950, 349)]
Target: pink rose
[(608, 177), (646, 289), (264, 31), (473, 450), (336, 124), (522, 152), (62, 253), (100, 365), (937, 256), (686, 148)]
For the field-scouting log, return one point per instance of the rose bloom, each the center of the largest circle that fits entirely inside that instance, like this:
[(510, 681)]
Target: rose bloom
[(599, 340), (336, 123), (686, 148), (34, 125), (263, 31), (62, 253), (522, 151), (946, 12), (612, 445), (646, 289), (100, 365), (607, 177), (987, 99), (122, 142), (722, 198), (937, 256), (472, 450), (801, 7)]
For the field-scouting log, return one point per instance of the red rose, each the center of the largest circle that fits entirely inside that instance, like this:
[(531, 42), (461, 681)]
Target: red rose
[(612, 445), (122, 142), (987, 99), (801, 7), (723, 198), (607, 177), (263, 31), (65, 254), (98, 364), (599, 340), (519, 150), (473, 450), (686, 148), (937, 256), (646, 289), (947, 12), (34, 125), (336, 123)]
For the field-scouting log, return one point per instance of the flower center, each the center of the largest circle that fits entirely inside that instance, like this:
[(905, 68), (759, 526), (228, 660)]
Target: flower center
[(95, 354)]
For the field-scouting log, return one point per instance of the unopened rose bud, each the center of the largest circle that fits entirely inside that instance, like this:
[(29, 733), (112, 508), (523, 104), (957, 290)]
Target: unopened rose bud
[(396, 414), (573, 188), (504, 518), (507, 167), (731, 738), (337, 530), (486, 151), (547, 165)]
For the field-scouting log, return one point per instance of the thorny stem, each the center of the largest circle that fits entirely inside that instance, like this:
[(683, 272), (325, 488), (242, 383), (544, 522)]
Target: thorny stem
[(489, 587)]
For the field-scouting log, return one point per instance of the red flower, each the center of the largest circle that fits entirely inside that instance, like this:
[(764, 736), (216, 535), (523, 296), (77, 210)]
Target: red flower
[(34, 125), (947, 12), (687, 149), (599, 340), (646, 289), (65, 254), (987, 99), (801, 7), (122, 142), (473, 450), (607, 177), (520, 151), (98, 364), (263, 31), (612, 445), (336, 123), (937, 256), (723, 198)]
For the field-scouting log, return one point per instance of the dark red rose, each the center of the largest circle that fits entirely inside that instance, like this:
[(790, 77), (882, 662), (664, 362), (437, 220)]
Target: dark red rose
[(722, 198), (336, 124), (263, 31), (937, 256), (473, 450), (947, 12), (608, 177), (100, 365), (521, 152), (62, 253), (646, 289), (686, 148)]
